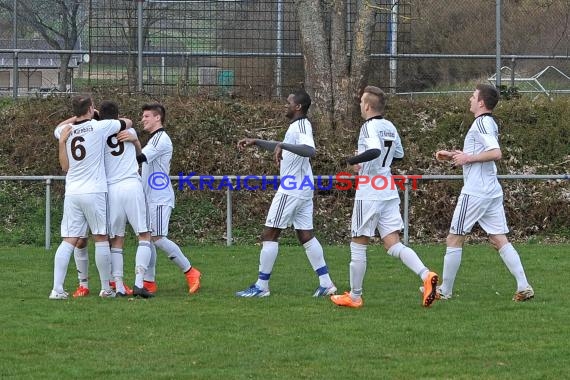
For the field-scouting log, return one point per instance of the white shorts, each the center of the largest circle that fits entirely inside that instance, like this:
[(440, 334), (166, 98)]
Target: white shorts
[(489, 213), (127, 203), (159, 218), (84, 210), (287, 210), (369, 216)]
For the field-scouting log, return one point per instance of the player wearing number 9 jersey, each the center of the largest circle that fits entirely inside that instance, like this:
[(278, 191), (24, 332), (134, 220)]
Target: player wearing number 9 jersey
[(85, 203), (374, 209), (126, 203)]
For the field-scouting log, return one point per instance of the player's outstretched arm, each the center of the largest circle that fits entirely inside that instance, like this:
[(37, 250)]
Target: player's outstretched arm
[(298, 149), (302, 150), (367, 155), (243, 143), (264, 144)]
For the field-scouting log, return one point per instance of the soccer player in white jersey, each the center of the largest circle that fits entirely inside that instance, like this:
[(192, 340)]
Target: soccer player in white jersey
[(85, 203), (293, 203), (155, 158), (126, 202), (481, 199), (374, 209)]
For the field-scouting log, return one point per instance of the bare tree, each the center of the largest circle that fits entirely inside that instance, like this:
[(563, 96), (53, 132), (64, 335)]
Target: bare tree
[(335, 71), (59, 22)]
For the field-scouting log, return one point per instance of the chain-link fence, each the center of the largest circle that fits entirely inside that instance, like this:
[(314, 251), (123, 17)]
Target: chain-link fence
[(530, 29), (252, 47), (241, 46)]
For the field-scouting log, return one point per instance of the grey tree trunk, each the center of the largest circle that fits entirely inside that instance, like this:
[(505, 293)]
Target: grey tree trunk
[(64, 73), (335, 72)]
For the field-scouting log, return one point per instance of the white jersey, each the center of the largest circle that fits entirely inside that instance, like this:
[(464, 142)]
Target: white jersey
[(120, 159), (158, 153), (85, 151), (480, 178), (295, 171), (378, 133)]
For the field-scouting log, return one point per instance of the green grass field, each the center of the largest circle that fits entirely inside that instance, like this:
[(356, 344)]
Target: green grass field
[(480, 333)]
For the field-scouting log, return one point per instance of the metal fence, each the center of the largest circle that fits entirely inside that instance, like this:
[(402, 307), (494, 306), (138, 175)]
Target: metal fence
[(241, 46), (251, 47), (49, 180)]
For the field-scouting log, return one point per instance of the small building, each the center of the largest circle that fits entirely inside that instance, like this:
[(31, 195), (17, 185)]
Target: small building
[(37, 72)]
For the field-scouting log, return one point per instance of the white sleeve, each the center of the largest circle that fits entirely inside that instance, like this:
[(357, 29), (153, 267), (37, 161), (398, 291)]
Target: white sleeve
[(305, 139), (372, 143), (399, 149), (151, 152), (487, 137), (132, 132), (485, 133), (58, 129), (488, 140), (111, 126), (369, 138)]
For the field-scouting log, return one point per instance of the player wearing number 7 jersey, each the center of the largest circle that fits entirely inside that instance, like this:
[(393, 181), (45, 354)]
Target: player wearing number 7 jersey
[(378, 145), (85, 203)]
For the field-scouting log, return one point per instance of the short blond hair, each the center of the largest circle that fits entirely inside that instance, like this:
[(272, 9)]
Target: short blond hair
[(377, 100)]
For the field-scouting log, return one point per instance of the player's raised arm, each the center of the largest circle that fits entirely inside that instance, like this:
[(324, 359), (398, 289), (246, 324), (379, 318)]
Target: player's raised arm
[(128, 122), (71, 120), (130, 135), (62, 151)]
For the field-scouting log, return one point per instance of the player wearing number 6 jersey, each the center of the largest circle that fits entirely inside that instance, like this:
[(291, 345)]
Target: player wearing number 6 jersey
[(126, 202), (378, 145), (85, 203)]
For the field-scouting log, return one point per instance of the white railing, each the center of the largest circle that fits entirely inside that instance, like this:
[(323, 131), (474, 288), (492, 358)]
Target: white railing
[(47, 179)]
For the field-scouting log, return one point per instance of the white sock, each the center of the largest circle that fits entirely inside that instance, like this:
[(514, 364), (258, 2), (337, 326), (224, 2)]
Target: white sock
[(174, 253), (357, 268), (150, 273), (60, 263), (410, 259), (117, 269), (451, 263), (142, 261), (316, 257), (267, 258), (513, 261), (103, 262), (81, 258)]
